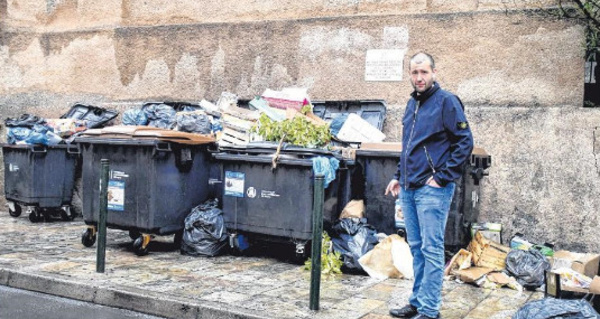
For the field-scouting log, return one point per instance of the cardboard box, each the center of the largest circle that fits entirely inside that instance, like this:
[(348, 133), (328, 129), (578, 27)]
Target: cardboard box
[(586, 264), (487, 253)]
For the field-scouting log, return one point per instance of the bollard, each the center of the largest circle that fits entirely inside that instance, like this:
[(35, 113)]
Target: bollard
[(317, 227), (101, 252)]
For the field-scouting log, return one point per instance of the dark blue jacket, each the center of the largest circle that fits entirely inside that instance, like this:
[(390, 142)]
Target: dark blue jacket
[(436, 139)]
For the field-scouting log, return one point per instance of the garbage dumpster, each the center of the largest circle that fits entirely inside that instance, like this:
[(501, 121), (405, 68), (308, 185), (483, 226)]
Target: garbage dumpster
[(379, 165), (40, 177), (274, 205), (156, 177), (43, 176)]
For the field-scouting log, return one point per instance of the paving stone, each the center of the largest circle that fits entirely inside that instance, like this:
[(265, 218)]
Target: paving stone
[(50, 256)]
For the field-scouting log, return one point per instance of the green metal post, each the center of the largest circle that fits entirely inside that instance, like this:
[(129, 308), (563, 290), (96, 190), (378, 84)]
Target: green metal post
[(101, 252), (317, 217)]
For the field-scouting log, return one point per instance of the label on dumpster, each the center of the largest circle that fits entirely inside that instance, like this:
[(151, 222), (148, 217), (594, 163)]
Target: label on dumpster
[(118, 175), (13, 167), (116, 195), (268, 194), (234, 183)]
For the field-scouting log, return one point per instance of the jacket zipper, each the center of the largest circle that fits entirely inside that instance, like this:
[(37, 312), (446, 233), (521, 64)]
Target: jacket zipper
[(412, 133), (429, 160)]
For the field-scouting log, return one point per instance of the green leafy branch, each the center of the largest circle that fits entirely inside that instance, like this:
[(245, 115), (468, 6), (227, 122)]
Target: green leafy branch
[(331, 262), (298, 131)]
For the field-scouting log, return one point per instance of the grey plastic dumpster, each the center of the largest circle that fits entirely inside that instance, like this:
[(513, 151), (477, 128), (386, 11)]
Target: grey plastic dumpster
[(274, 205), (156, 177), (41, 178)]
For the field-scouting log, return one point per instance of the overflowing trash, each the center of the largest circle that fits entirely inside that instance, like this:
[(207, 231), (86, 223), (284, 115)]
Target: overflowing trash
[(518, 241), (548, 308), (331, 262), (528, 267), (353, 238), (204, 233), (34, 130), (391, 258)]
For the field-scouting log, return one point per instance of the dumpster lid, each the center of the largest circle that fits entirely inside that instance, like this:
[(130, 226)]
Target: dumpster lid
[(372, 111), (145, 132), (96, 116)]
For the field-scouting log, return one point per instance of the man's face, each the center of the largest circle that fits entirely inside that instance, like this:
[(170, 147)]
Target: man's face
[(421, 75)]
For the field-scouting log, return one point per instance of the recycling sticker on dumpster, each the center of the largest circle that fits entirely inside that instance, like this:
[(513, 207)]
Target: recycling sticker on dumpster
[(234, 183), (116, 195)]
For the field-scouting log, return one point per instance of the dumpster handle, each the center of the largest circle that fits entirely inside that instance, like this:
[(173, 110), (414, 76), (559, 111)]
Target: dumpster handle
[(159, 147), (73, 150), (39, 149), (212, 150)]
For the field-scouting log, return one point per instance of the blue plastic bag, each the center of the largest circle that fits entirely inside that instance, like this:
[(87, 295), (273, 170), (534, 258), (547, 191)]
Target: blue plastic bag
[(135, 117), (326, 166), (160, 115), (37, 134)]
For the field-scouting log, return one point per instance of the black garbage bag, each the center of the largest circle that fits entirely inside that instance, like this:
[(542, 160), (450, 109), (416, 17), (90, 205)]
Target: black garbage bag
[(204, 233), (193, 123), (352, 238), (24, 120), (528, 267), (556, 308), (160, 115)]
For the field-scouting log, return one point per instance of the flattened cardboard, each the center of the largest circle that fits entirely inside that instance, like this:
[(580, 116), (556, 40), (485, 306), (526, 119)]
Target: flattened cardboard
[(499, 278), (127, 131), (471, 275)]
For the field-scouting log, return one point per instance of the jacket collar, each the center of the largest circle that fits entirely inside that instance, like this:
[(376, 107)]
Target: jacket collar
[(425, 95)]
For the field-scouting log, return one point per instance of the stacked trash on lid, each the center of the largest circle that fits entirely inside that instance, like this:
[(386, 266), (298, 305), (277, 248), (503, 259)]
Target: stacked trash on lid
[(178, 116), (270, 150), (40, 161)]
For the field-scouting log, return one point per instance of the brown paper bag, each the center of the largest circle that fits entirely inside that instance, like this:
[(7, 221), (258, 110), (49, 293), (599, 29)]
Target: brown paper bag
[(354, 209)]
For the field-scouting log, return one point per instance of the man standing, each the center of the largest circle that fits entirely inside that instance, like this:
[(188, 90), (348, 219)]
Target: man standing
[(436, 142)]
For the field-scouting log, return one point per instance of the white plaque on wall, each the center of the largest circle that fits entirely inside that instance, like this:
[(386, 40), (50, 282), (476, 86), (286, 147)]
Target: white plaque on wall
[(384, 65)]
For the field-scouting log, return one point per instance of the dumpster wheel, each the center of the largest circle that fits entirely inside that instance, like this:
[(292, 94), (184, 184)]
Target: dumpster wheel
[(134, 234), (88, 238), (66, 213), (15, 210), (35, 215), (140, 244)]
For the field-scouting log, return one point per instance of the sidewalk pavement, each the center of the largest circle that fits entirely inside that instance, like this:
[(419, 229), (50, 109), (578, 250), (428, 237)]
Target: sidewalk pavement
[(49, 257)]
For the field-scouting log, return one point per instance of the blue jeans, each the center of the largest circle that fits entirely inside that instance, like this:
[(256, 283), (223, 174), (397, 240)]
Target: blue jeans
[(425, 213)]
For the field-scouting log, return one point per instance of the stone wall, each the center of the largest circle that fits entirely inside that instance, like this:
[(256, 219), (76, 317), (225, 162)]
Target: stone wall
[(519, 74)]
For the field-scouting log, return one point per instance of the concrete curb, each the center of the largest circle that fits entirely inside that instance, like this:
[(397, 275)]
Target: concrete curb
[(152, 303)]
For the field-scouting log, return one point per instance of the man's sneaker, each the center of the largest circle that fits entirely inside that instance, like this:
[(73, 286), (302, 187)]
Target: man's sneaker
[(407, 311), (422, 316)]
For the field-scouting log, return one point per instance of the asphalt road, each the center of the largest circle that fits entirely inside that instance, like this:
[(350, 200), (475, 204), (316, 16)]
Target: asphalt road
[(24, 304)]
